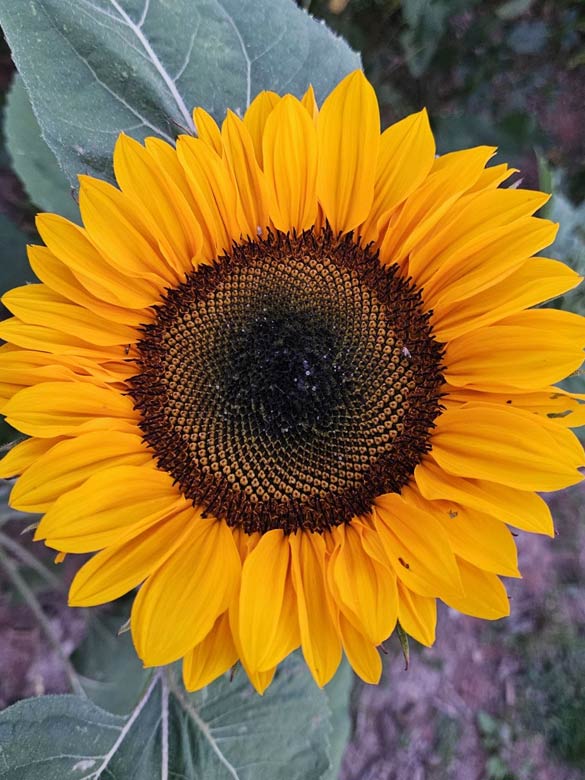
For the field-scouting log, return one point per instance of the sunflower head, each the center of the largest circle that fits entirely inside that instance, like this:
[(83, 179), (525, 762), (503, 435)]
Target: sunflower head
[(289, 340), (287, 378)]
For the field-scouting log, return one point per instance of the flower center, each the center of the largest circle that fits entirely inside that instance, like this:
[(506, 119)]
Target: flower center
[(290, 383)]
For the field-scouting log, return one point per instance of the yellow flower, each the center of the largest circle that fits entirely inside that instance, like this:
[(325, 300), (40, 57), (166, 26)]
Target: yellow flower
[(287, 380)]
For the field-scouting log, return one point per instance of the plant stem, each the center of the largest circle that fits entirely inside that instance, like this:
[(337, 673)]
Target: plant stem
[(29, 597), (29, 560)]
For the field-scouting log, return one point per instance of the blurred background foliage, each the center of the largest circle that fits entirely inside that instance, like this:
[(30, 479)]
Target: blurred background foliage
[(507, 73), (507, 698), (501, 72)]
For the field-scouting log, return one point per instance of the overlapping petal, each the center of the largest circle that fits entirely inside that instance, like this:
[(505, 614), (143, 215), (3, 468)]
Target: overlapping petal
[(290, 166), (348, 133), (179, 604)]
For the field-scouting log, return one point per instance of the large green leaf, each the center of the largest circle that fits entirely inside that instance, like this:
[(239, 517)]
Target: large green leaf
[(226, 732), (109, 669), (32, 159), (94, 68)]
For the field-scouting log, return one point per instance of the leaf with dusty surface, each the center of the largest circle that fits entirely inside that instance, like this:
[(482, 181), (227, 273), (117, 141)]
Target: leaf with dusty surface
[(225, 732), (95, 68)]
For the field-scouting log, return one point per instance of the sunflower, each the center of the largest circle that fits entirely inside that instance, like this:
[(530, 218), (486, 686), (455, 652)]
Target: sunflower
[(287, 379)]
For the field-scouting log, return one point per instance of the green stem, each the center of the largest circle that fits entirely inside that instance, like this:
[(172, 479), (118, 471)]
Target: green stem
[(403, 637), (29, 560), (29, 597)]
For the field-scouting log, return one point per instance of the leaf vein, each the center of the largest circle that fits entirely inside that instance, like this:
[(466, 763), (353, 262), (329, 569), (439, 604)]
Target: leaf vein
[(88, 12), (235, 28), (125, 730), (161, 70), (206, 731), (105, 86), (144, 14), (187, 59)]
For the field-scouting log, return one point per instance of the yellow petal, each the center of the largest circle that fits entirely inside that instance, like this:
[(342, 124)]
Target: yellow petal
[(246, 173), (119, 568), (169, 165), (38, 305), (111, 506), (214, 193), (287, 637), (244, 542), (417, 546), (309, 101), (470, 224), (557, 405), (361, 653), (56, 275), (508, 446), (493, 257), (23, 368), (492, 177), (70, 463), (535, 281), (45, 339), (260, 680), (22, 455), (290, 166), (518, 508), (415, 220), (255, 119), (211, 657), (475, 536), (72, 246), (348, 130), (61, 408), (207, 129), (266, 628), (162, 205), (366, 591), (417, 615), (319, 637), (115, 225), (484, 595), (528, 350), (178, 605), (407, 153)]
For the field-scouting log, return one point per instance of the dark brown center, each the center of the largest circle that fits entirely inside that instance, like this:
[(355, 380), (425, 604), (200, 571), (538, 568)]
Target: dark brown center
[(290, 383)]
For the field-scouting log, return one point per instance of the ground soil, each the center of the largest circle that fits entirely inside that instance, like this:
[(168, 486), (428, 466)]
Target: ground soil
[(429, 723)]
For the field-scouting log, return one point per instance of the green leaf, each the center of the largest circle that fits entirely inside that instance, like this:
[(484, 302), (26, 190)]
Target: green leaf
[(110, 672), (404, 645), (425, 23), (95, 68), (14, 267), (225, 732), (512, 9), (32, 159)]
